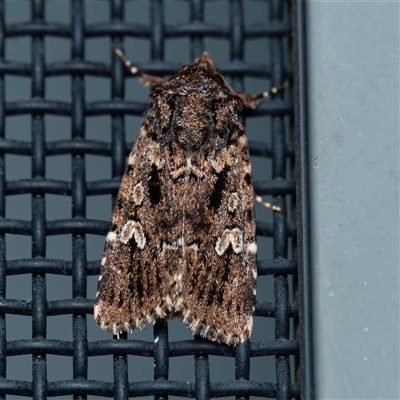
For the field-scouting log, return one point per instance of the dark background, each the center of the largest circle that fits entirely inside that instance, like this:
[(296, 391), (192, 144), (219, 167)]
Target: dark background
[(257, 51)]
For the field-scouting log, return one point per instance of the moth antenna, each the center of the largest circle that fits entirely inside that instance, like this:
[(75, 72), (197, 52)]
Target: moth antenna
[(272, 92), (147, 80), (128, 65), (259, 199)]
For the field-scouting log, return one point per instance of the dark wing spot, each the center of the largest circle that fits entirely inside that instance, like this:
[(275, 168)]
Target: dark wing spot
[(153, 135), (219, 189), (150, 128), (193, 177), (211, 296), (247, 179), (121, 300), (120, 203), (154, 186)]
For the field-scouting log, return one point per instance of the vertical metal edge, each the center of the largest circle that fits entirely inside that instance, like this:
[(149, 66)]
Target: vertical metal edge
[(305, 330)]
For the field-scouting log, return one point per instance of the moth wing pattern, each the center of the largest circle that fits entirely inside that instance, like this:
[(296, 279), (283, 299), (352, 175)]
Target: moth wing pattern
[(182, 240), (134, 281), (218, 296)]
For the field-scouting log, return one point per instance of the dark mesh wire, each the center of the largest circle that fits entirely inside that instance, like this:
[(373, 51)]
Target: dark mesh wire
[(283, 311)]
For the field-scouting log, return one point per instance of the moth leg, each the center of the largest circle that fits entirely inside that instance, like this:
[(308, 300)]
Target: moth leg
[(259, 199), (147, 80), (250, 100)]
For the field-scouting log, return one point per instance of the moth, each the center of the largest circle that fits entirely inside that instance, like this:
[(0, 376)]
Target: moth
[(182, 239)]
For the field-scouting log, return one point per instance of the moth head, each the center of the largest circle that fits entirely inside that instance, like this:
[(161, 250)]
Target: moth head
[(192, 121)]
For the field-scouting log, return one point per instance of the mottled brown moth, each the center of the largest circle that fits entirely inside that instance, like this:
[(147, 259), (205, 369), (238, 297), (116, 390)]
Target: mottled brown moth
[(182, 239)]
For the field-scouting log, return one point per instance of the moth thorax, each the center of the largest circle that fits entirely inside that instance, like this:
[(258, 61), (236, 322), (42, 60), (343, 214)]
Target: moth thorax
[(193, 121)]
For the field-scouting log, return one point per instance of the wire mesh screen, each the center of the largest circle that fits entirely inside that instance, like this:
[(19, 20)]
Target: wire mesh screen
[(69, 116)]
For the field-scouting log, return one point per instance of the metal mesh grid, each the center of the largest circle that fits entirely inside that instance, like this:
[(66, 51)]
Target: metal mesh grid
[(38, 228)]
